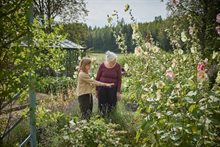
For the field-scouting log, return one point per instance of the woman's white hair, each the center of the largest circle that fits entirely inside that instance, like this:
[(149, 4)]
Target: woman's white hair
[(110, 56)]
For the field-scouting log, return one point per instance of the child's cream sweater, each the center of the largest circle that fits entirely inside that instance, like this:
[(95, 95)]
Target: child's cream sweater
[(85, 84)]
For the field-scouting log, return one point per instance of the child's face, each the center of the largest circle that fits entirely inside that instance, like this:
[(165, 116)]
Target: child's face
[(88, 67)]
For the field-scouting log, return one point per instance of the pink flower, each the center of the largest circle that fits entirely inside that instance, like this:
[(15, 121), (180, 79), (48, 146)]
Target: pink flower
[(218, 18), (190, 30), (218, 29), (200, 66), (169, 74)]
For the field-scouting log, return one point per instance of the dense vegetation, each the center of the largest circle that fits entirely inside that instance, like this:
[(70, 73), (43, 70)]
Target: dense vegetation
[(171, 85)]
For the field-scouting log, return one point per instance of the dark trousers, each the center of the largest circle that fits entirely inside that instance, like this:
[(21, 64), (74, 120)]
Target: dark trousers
[(107, 99), (85, 104)]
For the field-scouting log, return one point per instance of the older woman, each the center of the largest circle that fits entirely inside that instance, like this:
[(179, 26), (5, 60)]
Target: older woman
[(109, 72)]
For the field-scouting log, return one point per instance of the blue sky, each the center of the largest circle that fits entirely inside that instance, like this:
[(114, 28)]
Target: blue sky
[(143, 10)]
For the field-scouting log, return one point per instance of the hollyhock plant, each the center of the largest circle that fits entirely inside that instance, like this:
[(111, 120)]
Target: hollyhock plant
[(218, 18)]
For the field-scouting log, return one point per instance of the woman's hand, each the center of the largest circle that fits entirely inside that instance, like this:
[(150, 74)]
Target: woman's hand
[(109, 84), (118, 95)]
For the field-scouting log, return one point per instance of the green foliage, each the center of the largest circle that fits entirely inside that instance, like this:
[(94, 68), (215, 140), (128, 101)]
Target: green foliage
[(178, 112), (17, 135), (200, 15), (18, 61), (55, 84), (176, 104), (77, 32), (93, 133), (49, 123)]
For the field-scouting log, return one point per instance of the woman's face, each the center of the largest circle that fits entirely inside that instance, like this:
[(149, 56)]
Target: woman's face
[(112, 63)]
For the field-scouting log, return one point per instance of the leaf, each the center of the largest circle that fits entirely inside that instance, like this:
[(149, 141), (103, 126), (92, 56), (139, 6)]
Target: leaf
[(189, 100), (174, 137), (192, 107), (138, 135), (165, 135), (191, 93)]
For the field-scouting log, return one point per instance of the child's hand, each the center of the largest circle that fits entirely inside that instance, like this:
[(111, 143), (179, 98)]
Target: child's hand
[(109, 84)]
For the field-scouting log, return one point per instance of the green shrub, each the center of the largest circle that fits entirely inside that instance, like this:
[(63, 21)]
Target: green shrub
[(55, 84), (92, 134)]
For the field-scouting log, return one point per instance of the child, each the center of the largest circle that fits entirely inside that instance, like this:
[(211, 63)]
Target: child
[(84, 88)]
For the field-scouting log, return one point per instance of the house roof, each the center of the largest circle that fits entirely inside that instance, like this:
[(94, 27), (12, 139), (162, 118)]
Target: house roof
[(66, 44), (70, 45)]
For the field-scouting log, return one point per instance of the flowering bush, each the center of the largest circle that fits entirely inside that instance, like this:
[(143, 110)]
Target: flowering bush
[(176, 103), (93, 133)]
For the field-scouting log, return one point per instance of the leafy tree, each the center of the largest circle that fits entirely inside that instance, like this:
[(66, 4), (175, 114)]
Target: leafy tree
[(76, 32), (17, 61), (64, 10)]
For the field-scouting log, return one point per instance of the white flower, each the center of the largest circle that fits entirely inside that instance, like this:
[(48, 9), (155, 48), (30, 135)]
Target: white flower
[(193, 50), (190, 30), (183, 37), (174, 62), (145, 89), (159, 115), (138, 51), (135, 36), (149, 99), (160, 84), (155, 49), (72, 123), (158, 94), (126, 67), (180, 51), (178, 86), (148, 45), (206, 60)]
